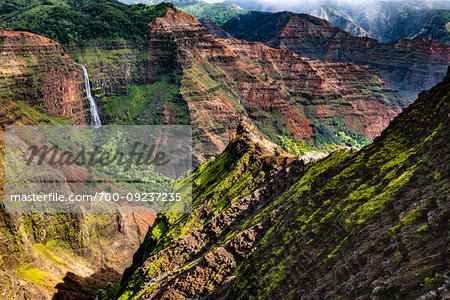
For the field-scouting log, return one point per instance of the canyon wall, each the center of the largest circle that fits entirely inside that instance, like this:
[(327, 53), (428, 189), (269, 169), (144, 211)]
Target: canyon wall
[(408, 65), (280, 91), (36, 71), (283, 93), (183, 75)]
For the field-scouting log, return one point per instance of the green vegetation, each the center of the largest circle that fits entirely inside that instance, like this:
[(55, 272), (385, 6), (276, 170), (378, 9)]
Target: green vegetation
[(294, 146), (352, 196), (33, 275), (79, 21), (336, 133), (326, 138), (216, 185), (218, 12), (150, 178), (46, 252), (148, 104), (430, 281), (22, 112)]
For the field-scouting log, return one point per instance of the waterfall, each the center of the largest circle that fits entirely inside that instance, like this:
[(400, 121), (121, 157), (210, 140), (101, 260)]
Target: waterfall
[(93, 107)]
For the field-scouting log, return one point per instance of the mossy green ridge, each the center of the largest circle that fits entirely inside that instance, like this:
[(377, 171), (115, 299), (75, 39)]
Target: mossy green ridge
[(355, 224), (376, 200), (217, 184)]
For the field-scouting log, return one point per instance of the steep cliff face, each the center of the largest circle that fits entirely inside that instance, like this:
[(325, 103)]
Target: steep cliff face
[(409, 65), (284, 94), (35, 71), (366, 224), (108, 37)]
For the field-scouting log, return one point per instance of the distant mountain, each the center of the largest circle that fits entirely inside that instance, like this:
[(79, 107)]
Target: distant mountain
[(409, 65), (386, 21), (390, 21), (340, 19), (219, 13)]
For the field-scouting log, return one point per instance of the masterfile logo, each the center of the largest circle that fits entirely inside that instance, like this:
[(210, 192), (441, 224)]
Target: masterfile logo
[(108, 169)]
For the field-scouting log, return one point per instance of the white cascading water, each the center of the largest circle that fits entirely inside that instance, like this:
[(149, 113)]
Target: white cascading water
[(93, 107)]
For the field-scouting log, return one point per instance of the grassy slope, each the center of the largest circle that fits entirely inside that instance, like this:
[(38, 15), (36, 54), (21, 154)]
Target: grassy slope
[(379, 211), (389, 187)]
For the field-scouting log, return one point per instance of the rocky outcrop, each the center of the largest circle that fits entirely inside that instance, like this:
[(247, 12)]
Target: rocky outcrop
[(281, 92), (35, 70), (244, 163), (408, 65), (366, 224)]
